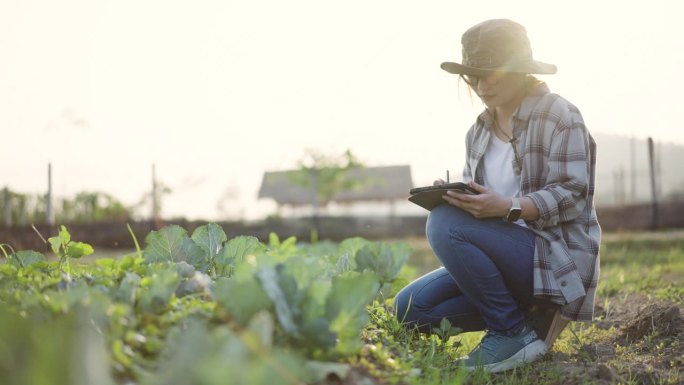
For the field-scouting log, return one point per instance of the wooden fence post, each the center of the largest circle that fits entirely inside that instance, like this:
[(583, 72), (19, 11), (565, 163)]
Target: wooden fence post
[(654, 195), (49, 214), (7, 210), (155, 205)]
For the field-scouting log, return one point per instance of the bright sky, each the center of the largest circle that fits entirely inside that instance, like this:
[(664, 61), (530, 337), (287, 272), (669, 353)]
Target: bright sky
[(216, 92)]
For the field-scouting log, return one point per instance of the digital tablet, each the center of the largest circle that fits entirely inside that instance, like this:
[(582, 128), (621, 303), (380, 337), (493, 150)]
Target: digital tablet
[(429, 197), (458, 186)]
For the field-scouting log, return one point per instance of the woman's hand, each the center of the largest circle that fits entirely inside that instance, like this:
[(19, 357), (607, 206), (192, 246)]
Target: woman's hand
[(438, 182), (488, 204)]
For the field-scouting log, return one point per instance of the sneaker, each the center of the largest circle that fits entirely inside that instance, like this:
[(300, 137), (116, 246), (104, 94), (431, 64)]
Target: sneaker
[(498, 352)]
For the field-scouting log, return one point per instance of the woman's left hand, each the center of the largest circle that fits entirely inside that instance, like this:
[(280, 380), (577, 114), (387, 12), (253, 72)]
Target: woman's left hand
[(488, 204)]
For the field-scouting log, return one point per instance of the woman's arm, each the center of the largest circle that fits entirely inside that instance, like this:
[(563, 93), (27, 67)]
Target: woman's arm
[(569, 162), (489, 204), (529, 209)]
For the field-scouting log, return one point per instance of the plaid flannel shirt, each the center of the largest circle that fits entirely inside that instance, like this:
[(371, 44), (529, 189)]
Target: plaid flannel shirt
[(557, 172)]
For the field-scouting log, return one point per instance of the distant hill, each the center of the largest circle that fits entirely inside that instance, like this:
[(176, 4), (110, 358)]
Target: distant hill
[(616, 171)]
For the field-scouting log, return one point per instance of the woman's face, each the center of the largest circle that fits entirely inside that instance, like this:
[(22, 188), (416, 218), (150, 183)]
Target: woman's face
[(499, 89)]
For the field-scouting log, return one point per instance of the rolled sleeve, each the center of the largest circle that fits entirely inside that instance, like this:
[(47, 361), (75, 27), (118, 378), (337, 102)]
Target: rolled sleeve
[(563, 196)]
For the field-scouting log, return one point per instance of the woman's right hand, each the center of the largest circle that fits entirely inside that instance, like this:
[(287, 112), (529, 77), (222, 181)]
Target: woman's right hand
[(438, 182)]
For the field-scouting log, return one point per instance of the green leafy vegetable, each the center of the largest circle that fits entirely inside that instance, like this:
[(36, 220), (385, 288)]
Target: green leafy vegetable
[(65, 248), (26, 258), (345, 307), (210, 239), (172, 244), (198, 309), (384, 259), (235, 251), (241, 299)]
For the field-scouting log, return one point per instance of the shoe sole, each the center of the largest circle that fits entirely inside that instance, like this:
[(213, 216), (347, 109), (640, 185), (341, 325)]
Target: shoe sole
[(527, 354)]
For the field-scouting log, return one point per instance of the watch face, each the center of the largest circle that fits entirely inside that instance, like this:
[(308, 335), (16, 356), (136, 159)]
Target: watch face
[(515, 210), (514, 215)]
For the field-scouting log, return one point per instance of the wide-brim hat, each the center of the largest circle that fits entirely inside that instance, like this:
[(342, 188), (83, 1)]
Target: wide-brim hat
[(497, 45)]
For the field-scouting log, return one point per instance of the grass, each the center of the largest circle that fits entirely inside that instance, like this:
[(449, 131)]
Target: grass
[(632, 340), (635, 337)]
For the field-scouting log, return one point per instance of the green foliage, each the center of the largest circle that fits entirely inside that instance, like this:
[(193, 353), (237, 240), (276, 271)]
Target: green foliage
[(84, 207), (446, 330), (402, 355), (201, 309), (65, 249), (640, 280), (39, 354), (345, 307), (88, 206), (235, 251), (208, 250), (206, 309), (240, 299), (281, 249), (210, 239), (384, 259), (156, 290), (172, 244), (327, 175), (26, 258), (196, 354)]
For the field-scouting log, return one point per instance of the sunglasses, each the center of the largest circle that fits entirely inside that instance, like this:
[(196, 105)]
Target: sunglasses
[(471, 80)]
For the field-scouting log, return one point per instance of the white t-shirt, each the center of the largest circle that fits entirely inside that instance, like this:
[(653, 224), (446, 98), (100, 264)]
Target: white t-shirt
[(498, 170)]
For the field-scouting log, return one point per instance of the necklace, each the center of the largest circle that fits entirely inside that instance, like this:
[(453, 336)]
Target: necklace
[(496, 125), (512, 140)]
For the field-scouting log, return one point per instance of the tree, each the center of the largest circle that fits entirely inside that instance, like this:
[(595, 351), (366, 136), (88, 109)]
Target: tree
[(327, 176), (88, 207), (20, 208)]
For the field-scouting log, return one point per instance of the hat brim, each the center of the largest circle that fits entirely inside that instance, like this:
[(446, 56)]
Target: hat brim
[(532, 67)]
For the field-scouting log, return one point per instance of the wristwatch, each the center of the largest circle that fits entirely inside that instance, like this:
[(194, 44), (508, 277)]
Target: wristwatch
[(514, 212)]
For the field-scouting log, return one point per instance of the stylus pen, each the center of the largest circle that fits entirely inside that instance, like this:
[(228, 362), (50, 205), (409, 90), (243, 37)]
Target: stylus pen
[(447, 176)]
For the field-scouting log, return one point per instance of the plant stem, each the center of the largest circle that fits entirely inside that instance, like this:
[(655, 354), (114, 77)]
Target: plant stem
[(135, 240)]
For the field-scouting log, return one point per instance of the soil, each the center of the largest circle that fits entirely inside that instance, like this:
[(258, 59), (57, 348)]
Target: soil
[(640, 339), (643, 344), (646, 349)]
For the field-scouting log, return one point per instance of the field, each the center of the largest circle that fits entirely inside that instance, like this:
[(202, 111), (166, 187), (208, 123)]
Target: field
[(636, 337), (204, 309)]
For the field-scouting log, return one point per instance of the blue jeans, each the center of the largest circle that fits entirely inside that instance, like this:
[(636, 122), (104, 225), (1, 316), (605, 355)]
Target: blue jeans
[(485, 279)]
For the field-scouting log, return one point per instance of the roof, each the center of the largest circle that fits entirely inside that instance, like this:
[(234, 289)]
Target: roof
[(380, 184)]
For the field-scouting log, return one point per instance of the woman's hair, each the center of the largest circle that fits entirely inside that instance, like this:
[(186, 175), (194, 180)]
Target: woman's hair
[(532, 81)]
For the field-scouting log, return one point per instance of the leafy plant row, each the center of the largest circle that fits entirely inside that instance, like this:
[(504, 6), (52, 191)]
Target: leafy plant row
[(189, 308)]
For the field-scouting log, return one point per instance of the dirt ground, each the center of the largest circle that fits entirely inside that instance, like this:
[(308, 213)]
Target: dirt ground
[(637, 339), (642, 344)]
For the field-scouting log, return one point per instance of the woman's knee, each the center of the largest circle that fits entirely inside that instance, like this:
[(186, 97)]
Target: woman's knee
[(444, 228), (438, 223), (445, 217), (402, 304), (406, 313), (406, 310)]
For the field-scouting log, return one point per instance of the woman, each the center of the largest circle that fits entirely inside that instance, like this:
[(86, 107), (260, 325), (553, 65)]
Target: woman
[(523, 252)]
